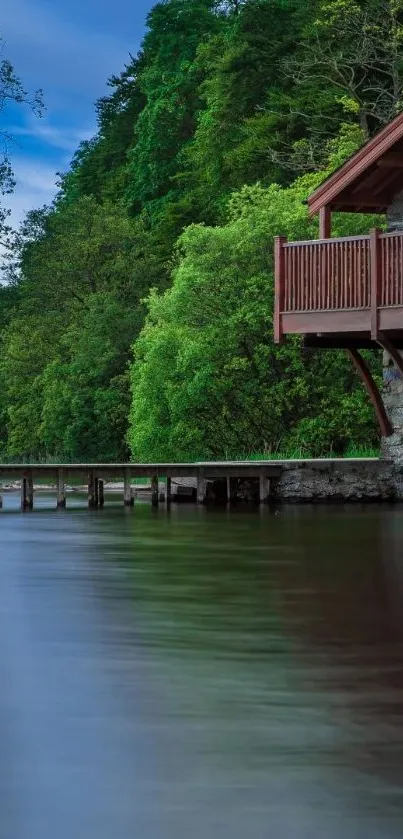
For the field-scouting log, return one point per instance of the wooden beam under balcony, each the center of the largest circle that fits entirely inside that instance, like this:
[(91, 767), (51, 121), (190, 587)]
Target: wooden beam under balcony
[(391, 160)]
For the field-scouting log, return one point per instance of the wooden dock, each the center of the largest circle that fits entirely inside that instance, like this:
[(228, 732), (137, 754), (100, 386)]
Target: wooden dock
[(262, 473)]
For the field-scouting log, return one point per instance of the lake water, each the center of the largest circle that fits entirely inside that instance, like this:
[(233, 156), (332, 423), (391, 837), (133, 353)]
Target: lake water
[(201, 674)]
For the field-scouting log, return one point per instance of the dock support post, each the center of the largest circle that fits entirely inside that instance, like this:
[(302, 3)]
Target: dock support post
[(168, 492), (1, 502), (101, 497), (264, 488), (23, 494), (128, 499), (231, 490), (201, 487), (61, 490), (27, 492), (92, 490), (154, 491)]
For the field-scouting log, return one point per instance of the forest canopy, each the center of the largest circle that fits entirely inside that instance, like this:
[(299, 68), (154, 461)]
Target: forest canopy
[(137, 317)]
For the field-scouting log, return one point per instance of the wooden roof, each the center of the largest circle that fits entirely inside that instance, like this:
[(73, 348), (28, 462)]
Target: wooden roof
[(369, 179)]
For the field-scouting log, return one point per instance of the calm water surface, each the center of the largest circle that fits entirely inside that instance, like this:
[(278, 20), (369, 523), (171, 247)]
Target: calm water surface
[(201, 674)]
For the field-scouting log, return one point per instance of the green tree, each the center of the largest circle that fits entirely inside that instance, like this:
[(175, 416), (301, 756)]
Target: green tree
[(207, 379), (26, 349), (12, 92), (169, 80), (244, 95), (65, 351), (86, 394), (222, 94), (348, 65), (99, 167)]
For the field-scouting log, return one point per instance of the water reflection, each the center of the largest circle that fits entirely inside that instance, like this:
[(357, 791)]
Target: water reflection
[(202, 673)]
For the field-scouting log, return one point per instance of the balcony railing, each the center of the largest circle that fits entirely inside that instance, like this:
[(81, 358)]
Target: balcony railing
[(339, 275)]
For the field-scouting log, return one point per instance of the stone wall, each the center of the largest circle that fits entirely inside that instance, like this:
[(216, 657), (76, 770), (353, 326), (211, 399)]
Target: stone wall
[(304, 481), (394, 213), (392, 394), (348, 480)]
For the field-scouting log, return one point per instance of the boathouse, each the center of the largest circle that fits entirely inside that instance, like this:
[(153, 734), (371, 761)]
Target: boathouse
[(348, 292)]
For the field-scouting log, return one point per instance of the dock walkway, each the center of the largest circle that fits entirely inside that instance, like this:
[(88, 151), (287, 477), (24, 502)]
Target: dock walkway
[(95, 475)]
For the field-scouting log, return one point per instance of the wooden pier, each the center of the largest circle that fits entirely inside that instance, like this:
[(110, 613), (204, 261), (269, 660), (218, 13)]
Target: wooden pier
[(261, 474)]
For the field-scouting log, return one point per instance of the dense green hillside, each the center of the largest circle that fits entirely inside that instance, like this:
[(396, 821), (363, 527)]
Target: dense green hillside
[(140, 316)]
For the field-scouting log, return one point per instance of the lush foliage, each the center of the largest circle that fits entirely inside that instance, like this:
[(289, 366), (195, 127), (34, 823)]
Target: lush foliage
[(139, 314), (207, 378)]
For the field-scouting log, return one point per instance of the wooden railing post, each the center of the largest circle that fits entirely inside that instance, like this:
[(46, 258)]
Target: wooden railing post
[(375, 251), (325, 223), (279, 276)]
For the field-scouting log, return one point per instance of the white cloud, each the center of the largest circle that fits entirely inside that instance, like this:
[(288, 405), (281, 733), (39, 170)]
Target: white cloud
[(69, 50), (36, 185), (65, 139)]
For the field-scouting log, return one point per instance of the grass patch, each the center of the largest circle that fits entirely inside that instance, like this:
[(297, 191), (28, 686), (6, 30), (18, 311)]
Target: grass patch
[(302, 454)]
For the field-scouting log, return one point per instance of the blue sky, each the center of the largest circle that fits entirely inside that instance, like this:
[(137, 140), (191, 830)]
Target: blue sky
[(69, 49)]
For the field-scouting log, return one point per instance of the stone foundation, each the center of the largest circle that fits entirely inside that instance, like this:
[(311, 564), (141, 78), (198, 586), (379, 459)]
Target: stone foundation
[(351, 480), (394, 214), (309, 481), (348, 480), (392, 447)]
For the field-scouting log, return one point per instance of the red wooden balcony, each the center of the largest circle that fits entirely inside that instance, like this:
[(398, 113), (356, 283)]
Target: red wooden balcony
[(348, 292), (340, 292)]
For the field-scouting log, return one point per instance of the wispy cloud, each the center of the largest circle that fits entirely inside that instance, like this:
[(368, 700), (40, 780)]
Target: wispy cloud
[(65, 139), (36, 186), (69, 50)]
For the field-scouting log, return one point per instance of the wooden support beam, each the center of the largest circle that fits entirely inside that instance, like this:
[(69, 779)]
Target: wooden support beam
[(232, 486), (376, 274), (30, 491), (27, 491), (101, 496), (279, 277), (168, 491), (23, 494), (264, 488), (325, 222), (386, 181), (385, 424), (92, 490), (61, 490), (128, 499), (370, 181), (154, 491), (391, 159), (201, 487), (365, 200), (394, 353)]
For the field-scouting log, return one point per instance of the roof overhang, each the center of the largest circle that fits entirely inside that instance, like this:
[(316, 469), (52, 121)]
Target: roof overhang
[(367, 181)]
